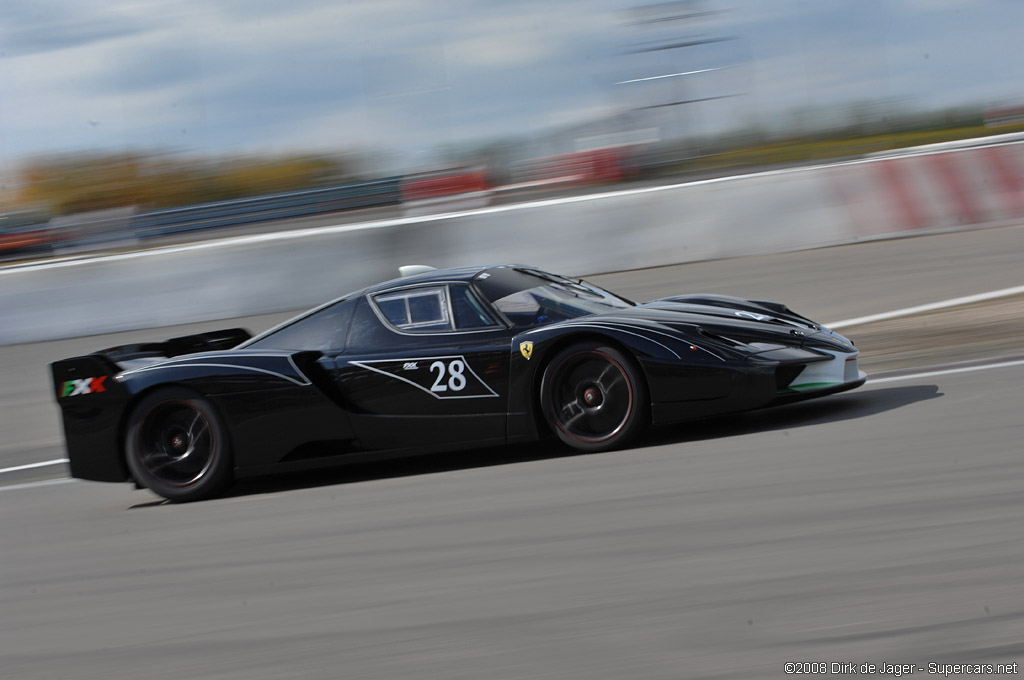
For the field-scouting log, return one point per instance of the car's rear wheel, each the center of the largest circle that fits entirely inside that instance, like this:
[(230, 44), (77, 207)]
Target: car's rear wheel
[(594, 397), (177, 446)]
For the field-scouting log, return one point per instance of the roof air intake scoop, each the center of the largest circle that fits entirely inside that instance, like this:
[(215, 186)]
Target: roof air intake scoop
[(414, 269)]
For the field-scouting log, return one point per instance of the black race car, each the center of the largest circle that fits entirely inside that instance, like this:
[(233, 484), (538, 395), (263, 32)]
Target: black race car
[(440, 359)]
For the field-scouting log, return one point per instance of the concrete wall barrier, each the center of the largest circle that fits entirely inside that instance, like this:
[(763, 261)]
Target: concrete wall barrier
[(627, 229)]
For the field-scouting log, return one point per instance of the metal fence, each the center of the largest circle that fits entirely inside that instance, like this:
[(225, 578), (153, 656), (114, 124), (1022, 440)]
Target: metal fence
[(352, 196)]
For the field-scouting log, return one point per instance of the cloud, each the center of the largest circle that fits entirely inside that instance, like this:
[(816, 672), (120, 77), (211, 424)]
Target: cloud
[(222, 75), (34, 28)]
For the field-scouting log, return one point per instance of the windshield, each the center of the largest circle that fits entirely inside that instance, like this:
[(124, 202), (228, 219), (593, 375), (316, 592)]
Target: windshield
[(556, 299)]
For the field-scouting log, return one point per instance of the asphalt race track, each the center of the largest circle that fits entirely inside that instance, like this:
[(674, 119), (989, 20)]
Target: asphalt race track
[(877, 526)]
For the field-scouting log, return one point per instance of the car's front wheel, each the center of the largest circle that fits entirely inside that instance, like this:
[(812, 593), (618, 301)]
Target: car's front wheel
[(594, 397), (177, 446)]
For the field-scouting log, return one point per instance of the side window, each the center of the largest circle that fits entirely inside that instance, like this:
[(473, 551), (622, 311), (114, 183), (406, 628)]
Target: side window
[(416, 309), (468, 311)]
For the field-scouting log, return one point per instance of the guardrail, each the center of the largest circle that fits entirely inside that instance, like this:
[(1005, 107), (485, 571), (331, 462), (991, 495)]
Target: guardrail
[(90, 230), (272, 207)]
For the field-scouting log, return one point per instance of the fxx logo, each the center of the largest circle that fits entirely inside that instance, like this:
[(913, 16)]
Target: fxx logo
[(73, 388)]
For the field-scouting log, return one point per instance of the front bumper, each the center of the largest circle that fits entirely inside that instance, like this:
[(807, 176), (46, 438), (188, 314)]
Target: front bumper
[(774, 377), (839, 370)]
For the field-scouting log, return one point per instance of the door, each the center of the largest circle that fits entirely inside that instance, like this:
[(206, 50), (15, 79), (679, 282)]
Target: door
[(425, 366)]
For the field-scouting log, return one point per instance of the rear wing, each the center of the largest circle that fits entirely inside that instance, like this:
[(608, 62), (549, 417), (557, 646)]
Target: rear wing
[(186, 344), (93, 373)]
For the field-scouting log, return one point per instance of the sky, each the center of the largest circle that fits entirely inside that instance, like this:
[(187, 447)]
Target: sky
[(409, 77)]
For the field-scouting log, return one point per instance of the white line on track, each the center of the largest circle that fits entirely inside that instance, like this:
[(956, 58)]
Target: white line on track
[(942, 304), (947, 371), (29, 466), (35, 485)]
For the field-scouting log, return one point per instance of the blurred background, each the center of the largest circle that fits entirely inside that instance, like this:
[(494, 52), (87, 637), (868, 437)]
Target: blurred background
[(330, 141), (127, 120)]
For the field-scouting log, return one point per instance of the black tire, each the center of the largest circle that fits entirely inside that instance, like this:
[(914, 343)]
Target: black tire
[(178, 447), (594, 397)]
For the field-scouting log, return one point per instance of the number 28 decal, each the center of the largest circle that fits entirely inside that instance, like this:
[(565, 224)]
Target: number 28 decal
[(447, 377), (456, 376)]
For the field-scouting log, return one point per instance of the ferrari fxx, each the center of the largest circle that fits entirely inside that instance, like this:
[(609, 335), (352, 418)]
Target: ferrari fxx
[(435, 360)]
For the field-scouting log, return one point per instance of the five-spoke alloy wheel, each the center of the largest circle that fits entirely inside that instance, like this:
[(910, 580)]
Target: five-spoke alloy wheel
[(177, 446), (594, 397)]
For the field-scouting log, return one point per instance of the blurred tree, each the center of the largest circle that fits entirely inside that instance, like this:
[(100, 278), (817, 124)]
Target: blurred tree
[(77, 183)]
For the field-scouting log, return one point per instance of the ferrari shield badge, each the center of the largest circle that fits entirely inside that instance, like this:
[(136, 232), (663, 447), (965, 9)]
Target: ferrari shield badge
[(527, 349)]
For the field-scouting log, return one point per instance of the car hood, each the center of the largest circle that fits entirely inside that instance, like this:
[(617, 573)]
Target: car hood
[(726, 309), (695, 317)]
